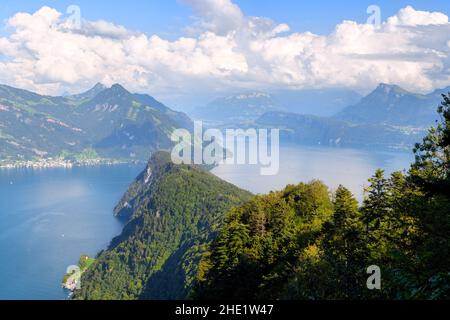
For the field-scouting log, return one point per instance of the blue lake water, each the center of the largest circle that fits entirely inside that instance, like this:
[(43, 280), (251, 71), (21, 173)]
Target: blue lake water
[(49, 217), (333, 166)]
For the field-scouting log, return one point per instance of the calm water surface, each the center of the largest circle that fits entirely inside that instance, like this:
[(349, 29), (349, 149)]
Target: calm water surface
[(48, 218), (333, 166)]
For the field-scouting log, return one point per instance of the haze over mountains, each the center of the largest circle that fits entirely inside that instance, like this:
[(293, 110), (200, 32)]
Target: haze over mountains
[(247, 106), (390, 104), (389, 117), (250, 105), (387, 104), (332, 132), (116, 123)]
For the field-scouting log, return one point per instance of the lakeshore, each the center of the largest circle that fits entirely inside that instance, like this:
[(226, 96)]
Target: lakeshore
[(72, 279), (49, 218), (60, 163)]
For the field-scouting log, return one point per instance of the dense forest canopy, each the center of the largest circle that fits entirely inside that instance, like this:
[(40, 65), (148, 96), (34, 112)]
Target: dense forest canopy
[(301, 243), (173, 212)]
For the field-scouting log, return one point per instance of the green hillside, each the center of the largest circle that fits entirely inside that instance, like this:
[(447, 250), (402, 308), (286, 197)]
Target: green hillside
[(116, 123), (173, 212)]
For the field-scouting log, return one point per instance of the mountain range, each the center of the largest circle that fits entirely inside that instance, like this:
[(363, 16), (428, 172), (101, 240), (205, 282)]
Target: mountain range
[(248, 106), (332, 132), (112, 121), (387, 104), (243, 107), (388, 118), (318, 102), (392, 105)]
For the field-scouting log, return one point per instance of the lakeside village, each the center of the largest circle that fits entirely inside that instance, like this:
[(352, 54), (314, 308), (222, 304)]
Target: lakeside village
[(59, 162), (86, 158)]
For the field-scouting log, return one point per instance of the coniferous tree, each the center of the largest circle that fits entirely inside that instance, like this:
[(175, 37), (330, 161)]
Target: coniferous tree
[(432, 166), (431, 173), (375, 205), (344, 246)]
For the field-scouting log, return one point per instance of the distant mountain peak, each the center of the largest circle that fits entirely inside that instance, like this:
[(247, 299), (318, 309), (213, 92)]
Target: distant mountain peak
[(386, 88), (99, 86), (438, 92), (96, 89), (249, 95), (118, 86), (392, 105), (116, 90)]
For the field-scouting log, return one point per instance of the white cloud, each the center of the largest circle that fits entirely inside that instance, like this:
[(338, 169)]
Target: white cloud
[(103, 29), (410, 17), (219, 16), (228, 51)]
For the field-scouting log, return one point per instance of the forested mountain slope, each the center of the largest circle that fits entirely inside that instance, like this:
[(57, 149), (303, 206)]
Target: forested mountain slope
[(173, 212), (112, 121), (302, 243)]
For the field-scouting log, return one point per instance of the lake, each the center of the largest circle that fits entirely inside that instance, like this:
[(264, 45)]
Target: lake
[(49, 217), (333, 166)]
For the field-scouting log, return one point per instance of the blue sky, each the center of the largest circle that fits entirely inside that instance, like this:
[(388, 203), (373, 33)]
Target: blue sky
[(231, 46), (168, 17)]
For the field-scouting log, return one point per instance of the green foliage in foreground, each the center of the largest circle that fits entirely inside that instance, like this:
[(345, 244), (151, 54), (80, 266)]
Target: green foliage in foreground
[(298, 243), (174, 212), (301, 244)]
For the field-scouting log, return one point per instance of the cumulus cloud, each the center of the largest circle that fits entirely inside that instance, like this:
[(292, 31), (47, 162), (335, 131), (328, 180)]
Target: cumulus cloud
[(219, 16), (102, 29), (410, 17), (225, 50)]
